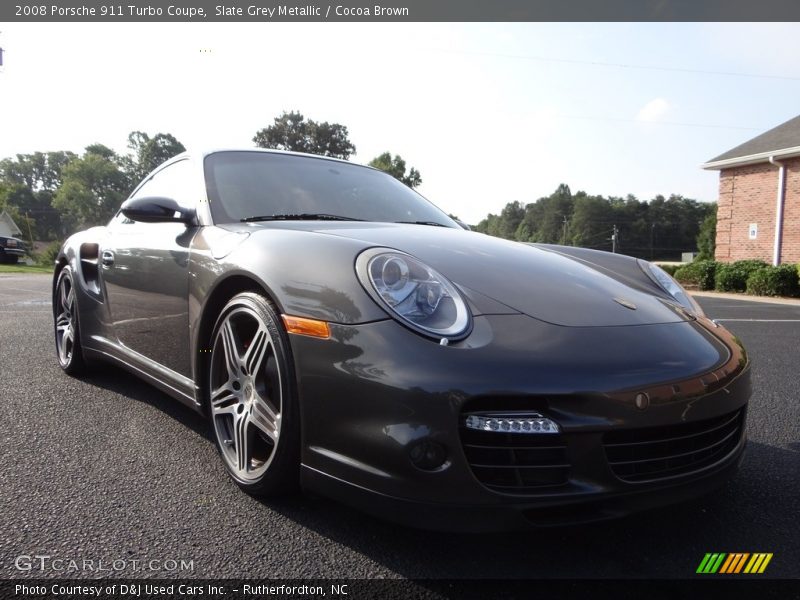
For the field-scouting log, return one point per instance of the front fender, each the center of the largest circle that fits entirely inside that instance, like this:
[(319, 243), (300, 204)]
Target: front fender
[(307, 274)]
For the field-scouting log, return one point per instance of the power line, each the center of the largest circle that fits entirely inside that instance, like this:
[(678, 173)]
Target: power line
[(620, 120), (630, 66), (597, 63), (594, 236)]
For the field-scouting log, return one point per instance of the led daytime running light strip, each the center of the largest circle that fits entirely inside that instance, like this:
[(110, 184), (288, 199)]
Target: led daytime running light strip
[(524, 424)]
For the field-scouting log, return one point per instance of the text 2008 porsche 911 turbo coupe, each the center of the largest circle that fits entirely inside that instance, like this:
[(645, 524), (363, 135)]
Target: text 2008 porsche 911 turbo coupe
[(343, 334)]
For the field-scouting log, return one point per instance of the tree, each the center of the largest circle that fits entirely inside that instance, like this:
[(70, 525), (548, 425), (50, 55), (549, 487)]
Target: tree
[(555, 208), (707, 238), (510, 218), (396, 167), (10, 196), (37, 171), (93, 187), (148, 153), (291, 131), (590, 224), (661, 228), (30, 182)]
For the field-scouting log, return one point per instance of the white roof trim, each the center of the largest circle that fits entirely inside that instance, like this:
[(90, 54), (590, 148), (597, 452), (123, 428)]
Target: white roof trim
[(751, 159)]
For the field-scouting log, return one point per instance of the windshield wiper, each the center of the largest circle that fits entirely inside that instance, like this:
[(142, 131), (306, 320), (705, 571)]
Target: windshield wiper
[(432, 223), (298, 217)]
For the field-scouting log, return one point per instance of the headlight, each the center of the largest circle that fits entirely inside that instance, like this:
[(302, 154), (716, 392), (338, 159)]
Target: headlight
[(419, 296), (672, 287)]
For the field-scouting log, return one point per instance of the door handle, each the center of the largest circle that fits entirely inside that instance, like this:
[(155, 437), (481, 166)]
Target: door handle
[(107, 258)]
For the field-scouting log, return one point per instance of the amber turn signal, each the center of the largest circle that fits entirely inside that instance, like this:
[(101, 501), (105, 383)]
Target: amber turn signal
[(303, 326)]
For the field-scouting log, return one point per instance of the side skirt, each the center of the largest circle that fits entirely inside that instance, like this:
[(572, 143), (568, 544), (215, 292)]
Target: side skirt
[(168, 381)]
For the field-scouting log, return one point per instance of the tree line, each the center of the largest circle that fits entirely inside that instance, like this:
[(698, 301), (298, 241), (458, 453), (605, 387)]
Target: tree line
[(661, 228), (51, 194)]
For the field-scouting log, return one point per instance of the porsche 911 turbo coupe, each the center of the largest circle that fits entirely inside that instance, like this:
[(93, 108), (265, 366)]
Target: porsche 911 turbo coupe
[(344, 335)]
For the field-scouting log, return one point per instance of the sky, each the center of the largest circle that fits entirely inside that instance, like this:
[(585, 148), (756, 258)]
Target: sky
[(488, 113)]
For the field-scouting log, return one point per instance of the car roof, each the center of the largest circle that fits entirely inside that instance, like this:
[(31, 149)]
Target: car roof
[(203, 152)]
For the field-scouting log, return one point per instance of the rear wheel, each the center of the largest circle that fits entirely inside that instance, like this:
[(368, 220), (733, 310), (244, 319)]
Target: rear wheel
[(67, 329), (251, 399)]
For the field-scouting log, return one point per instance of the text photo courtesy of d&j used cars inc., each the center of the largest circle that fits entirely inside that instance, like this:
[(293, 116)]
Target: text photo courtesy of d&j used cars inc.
[(410, 299)]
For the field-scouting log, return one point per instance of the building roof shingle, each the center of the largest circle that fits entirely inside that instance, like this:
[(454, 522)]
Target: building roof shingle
[(784, 136)]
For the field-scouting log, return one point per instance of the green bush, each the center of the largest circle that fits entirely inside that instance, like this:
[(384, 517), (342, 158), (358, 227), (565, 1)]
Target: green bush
[(733, 277), (699, 273), (774, 281), (47, 257)]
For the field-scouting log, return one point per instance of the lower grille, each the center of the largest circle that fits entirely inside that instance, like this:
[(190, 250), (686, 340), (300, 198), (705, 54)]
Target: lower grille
[(515, 463), (661, 452)]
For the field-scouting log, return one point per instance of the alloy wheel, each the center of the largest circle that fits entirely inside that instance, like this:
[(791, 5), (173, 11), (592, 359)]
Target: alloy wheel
[(247, 393), (66, 323)]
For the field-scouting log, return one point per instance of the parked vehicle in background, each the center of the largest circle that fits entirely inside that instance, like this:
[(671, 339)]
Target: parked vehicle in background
[(11, 249)]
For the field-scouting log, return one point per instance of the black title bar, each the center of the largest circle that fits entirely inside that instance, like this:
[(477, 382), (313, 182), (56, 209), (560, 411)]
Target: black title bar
[(398, 10), (729, 588)]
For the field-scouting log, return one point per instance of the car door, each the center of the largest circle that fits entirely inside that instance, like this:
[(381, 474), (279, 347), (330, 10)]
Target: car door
[(146, 277)]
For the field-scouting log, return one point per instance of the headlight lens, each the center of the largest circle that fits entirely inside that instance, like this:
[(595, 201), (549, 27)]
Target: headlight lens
[(673, 288), (419, 296)]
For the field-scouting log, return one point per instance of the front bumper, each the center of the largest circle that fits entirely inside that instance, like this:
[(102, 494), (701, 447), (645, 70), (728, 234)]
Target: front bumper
[(375, 391)]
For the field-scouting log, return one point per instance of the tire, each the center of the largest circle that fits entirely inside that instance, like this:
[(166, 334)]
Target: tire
[(65, 322), (8, 259), (251, 397)]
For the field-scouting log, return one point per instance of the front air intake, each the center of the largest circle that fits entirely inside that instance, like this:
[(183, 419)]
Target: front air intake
[(514, 453), (653, 453)]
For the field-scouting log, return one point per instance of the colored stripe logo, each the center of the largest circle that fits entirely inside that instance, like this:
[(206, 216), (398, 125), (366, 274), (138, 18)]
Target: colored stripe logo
[(735, 562)]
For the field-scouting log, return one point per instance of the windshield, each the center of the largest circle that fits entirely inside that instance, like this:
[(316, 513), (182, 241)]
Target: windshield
[(246, 185)]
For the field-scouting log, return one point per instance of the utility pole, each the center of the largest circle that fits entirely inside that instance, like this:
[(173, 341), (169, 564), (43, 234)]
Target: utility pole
[(30, 232), (614, 240), (652, 239), (564, 236)]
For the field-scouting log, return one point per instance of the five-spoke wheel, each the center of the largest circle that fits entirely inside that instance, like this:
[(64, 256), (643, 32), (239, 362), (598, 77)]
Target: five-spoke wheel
[(65, 314), (250, 396)]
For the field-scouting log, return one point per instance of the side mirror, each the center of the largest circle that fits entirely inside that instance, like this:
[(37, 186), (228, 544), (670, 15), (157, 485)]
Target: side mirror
[(462, 224), (156, 209)]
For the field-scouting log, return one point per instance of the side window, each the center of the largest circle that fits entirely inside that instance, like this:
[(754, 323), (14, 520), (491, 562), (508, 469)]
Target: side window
[(175, 181)]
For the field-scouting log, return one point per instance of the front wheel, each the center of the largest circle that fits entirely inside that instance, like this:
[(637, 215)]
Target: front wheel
[(251, 397), (67, 328)]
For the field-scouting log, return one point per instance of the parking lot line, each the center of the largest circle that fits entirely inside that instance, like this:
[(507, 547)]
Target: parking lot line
[(763, 320)]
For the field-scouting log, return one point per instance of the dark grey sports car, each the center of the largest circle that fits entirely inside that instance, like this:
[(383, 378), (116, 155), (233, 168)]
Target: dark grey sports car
[(343, 334)]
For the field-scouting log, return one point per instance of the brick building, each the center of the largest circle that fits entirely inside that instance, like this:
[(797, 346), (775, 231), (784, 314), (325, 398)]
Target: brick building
[(758, 213)]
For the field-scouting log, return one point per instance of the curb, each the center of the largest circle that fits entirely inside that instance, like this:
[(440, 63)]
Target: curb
[(746, 298)]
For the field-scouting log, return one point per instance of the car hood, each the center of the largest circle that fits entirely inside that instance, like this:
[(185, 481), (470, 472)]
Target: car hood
[(544, 285)]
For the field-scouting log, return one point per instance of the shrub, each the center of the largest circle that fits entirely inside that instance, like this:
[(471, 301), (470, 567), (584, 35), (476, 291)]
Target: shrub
[(733, 277), (47, 257), (699, 273), (774, 281)]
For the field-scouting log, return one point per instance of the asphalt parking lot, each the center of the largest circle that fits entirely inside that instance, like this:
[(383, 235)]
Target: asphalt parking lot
[(109, 468)]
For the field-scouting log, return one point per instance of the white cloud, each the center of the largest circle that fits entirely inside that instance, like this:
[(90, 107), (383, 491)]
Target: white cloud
[(653, 111)]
